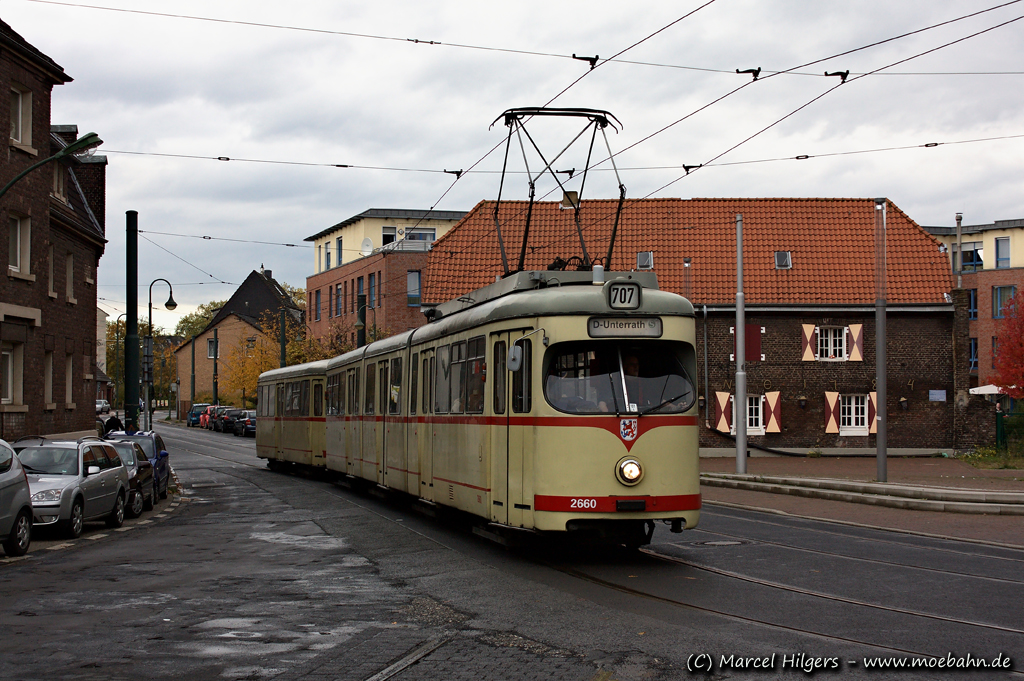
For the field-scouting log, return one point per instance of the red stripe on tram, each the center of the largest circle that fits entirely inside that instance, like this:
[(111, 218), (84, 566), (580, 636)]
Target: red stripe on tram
[(589, 504)]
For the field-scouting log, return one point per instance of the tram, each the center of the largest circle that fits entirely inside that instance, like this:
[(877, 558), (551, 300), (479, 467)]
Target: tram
[(548, 402)]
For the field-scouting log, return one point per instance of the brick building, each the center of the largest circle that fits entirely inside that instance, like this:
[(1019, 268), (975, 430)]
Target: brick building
[(385, 263), (993, 272), (56, 222), (809, 293), (239, 321)]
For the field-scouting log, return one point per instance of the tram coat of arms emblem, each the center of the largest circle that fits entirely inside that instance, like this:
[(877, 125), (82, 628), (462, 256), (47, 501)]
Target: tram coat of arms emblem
[(627, 429)]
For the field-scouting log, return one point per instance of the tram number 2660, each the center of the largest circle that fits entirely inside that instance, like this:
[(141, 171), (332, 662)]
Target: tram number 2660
[(583, 503), (624, 296)]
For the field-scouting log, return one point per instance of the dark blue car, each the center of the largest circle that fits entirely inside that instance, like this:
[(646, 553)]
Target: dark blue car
[(156, 451), (192, 418)]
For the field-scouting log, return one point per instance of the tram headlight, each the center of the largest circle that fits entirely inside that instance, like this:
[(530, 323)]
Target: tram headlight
[(629, 471)]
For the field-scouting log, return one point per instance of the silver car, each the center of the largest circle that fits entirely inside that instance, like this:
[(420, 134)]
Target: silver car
[(15, 507), (72, 482)]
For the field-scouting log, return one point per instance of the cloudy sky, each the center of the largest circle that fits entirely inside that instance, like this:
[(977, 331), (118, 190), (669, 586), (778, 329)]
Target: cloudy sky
[(302, 86)]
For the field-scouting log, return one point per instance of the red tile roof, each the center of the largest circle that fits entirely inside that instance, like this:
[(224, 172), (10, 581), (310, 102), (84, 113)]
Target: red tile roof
[(831, 240)]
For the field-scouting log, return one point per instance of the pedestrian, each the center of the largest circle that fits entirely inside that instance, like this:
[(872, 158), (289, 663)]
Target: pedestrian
[(113, 424)]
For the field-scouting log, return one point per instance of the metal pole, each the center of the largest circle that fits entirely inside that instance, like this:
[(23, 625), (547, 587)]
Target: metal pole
[(880, 358), (147, 362), (216, 351), (740, 401), (959, 258), (361, 320), (284, 354), (131, 339), (192, 392)]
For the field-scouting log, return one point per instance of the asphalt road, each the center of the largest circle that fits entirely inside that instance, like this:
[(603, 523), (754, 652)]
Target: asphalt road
[(261, 575)]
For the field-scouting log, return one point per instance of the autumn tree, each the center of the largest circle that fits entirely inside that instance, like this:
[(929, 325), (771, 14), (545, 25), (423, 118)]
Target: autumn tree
[(1009, 359), (193, 323)]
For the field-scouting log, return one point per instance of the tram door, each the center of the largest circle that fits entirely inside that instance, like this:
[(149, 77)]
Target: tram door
[(381, 439), (511, 402)]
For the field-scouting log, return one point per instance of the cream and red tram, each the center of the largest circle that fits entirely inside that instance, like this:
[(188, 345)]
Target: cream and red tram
[(290, 415), (588, 424)]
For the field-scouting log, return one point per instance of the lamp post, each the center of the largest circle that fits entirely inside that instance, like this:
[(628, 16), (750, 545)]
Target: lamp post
[(87, 141), (360, 325), (170, 305)]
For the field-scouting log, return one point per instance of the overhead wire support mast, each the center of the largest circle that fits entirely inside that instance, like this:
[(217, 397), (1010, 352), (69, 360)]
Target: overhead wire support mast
[(514, 120)]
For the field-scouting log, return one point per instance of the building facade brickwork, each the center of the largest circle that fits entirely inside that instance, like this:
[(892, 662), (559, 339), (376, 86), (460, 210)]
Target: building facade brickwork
[(48, 296)]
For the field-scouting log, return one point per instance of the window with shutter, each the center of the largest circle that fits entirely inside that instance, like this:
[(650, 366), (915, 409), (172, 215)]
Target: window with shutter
[(832, 412), (773, 412), (856, 342), (809, 343), (723, 412)]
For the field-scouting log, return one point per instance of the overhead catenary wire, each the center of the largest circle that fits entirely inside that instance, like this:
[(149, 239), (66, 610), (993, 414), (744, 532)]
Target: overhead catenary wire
[(485, 48), (175, 255)]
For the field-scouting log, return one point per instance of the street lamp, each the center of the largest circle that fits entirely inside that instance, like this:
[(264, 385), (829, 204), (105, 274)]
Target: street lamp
[(360, 325), (87, 141), (170, 305)]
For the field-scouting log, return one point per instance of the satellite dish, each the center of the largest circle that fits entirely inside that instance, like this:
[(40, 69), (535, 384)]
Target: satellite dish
[(367, 247)]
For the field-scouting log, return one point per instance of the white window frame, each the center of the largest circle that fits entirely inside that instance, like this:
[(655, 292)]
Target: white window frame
[(853, 415), (19, 263), (327, 255), (69, 380), (387, 231), (210, 343), (831, 331), (428, 234), (7, 375), (60, 181), (339, 250), (1003, 241), (69, 284), (21, 116), (413, 300), (755, 415)]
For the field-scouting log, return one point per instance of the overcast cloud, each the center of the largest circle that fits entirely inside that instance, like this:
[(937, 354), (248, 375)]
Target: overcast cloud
[(164, 85)]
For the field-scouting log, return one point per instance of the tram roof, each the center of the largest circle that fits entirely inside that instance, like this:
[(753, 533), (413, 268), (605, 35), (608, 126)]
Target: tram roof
[(549, 297), (306, 369)]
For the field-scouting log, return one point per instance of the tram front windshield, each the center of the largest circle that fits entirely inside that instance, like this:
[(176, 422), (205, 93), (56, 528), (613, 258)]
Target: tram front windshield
[(602, 377)]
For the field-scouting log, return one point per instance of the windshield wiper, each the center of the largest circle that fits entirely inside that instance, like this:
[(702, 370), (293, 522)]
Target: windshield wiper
[(668, 401), (30, 469)]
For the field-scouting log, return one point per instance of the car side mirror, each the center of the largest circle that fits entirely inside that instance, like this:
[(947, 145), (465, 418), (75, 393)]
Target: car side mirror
[(515, 358), (164, 454), (92, 470)]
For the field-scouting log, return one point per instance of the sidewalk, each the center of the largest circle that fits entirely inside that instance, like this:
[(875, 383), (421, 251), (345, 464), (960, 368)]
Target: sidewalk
[(937, 496)]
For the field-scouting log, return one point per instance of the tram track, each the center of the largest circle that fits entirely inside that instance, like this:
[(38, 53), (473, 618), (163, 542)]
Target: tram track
[(909, 566), (651, 595)]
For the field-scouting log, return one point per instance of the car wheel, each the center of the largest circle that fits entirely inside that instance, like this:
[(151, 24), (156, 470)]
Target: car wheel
[(135, 510), (148, 504), (73, 525), (21, 536), (116, 518)]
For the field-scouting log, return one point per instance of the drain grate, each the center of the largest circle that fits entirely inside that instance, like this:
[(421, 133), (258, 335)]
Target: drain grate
[(721, 542)]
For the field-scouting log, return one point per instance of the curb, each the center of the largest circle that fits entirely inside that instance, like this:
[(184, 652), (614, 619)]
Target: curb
[(877, 494)]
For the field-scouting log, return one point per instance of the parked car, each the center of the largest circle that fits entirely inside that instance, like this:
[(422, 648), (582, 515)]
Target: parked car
[(74, 481), (102, 407), (216, 418), (15, 504), (140, 477), (245, 423), (204, 417), (156, 452), (194, 414), (227, 424)]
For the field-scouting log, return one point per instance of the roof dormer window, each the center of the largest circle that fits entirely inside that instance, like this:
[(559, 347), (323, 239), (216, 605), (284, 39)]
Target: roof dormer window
[(783, 260)]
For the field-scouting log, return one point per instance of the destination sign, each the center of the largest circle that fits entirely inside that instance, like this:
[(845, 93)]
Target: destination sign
[(624, 327)]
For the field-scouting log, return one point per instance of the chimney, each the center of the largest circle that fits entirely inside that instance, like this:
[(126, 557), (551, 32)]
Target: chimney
[(268, 274)]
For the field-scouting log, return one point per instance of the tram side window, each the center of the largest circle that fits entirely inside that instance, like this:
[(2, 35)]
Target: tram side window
[(522, 394), (318, 399), (429, 383), (428, 374), (280, 399), (304, 398), (353, 391), (371, 377), (458, 377), (333, 394), (383, 397), (499, 377), (395, 394), (476, 367), (414, 368), (442, 381)]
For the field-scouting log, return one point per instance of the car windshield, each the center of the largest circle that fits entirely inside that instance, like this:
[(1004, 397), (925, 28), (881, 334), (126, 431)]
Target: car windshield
[(126, 452), (600, 377), (145, 441), (50, 460)]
